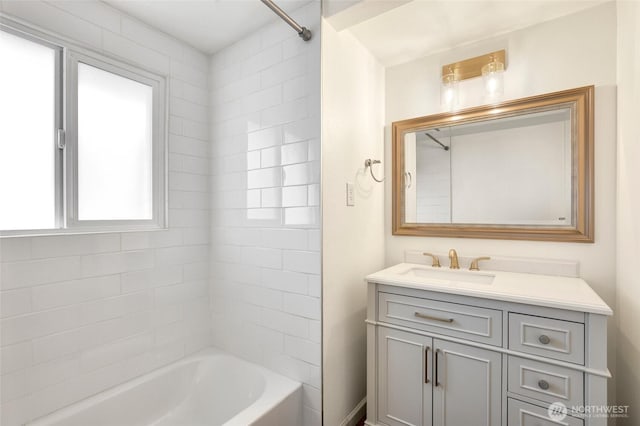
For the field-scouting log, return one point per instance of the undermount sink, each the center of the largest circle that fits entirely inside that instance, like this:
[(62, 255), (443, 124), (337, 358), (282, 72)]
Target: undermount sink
[(450, 275)]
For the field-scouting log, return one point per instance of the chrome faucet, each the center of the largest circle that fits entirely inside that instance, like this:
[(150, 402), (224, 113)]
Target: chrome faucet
[(453, 259)]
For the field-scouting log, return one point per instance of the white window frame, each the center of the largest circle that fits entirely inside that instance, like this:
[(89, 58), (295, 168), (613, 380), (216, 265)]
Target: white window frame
[(35, 37), (68, 56), (158, 153)]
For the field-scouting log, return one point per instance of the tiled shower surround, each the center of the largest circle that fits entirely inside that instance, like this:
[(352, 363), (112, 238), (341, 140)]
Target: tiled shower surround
[(265, 205), (82, 313)]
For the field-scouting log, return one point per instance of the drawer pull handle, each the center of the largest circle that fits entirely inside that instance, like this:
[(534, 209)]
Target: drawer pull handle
[(543, 384), (429, 317), (544, 339)]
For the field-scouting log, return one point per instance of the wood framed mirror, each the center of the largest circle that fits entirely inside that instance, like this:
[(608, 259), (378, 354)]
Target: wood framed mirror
[(521, 169)]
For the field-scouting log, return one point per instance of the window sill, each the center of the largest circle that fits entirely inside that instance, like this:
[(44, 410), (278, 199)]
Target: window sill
[(26, 233)]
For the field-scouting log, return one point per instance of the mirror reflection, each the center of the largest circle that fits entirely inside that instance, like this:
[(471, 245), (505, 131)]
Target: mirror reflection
[(521, 169), (514, 170)]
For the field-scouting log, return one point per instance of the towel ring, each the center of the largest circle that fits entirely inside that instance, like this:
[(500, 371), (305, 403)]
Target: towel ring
[(369, 163)]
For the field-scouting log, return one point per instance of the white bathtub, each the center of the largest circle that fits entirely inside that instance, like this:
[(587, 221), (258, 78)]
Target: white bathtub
[(208, 388)]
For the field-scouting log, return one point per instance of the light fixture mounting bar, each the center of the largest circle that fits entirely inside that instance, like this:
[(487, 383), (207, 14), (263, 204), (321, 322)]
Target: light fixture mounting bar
[(472, 67)]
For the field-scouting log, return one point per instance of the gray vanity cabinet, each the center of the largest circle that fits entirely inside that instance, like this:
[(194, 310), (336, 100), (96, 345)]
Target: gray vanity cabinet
[(426, 381), (404, 378), (443, 359), (468, 387)]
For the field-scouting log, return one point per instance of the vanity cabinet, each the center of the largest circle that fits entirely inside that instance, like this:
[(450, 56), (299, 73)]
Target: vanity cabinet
[(404, 377), (467, 387), (445, 359), (425, 381)]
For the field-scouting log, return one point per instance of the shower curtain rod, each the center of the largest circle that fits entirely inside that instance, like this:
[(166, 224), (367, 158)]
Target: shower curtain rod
[(446, 148), (303, 32)]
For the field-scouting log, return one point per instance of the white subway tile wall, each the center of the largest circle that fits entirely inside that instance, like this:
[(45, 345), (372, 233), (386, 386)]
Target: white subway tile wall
[(265, 257), (81, 313)]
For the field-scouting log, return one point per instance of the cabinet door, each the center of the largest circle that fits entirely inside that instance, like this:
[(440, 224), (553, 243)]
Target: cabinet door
[(404, 378), (468, 387)]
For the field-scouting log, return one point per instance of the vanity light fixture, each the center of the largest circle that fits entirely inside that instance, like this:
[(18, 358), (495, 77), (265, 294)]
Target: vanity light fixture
[(490, 66), (449, 89), (493, 77)]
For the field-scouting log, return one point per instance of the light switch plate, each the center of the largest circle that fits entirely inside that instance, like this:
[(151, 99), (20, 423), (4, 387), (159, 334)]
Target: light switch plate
[(351, 199)]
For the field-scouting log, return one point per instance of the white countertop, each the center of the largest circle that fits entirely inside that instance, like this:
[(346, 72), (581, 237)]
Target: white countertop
[(541, 290)]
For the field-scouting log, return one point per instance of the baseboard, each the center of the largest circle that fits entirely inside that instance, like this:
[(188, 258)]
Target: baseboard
[(356, 414)]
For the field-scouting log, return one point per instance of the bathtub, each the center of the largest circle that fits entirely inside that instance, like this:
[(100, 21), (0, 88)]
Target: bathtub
[(208, 388)]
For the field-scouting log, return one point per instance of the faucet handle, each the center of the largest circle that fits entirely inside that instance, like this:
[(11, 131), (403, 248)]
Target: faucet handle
[(474, 263), (436, 261)]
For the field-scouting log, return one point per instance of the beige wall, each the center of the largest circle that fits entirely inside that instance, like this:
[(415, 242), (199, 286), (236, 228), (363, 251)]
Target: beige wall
[(628, 245), (353, 237), (548, 57)]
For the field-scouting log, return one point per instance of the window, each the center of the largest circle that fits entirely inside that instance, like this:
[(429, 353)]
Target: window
[(117, 174), (103, 166), (114, 146), (29, 115)]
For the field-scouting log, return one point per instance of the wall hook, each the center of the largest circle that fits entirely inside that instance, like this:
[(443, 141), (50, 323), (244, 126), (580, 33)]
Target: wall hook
[(368, 163)]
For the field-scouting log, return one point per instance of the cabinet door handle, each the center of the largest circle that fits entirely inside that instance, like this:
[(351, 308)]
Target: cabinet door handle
[(429, 317), (544, 339), (435, 378), (426, 365), (543, 384)]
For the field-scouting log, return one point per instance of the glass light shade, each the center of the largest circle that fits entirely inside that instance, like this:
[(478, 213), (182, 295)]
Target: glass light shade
[(449, 92), (493, 76)]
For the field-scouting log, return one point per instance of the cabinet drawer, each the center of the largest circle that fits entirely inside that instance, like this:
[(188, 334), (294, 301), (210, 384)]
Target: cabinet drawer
[(551, 338), (451, 319), (523, 414), (549, 383)]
